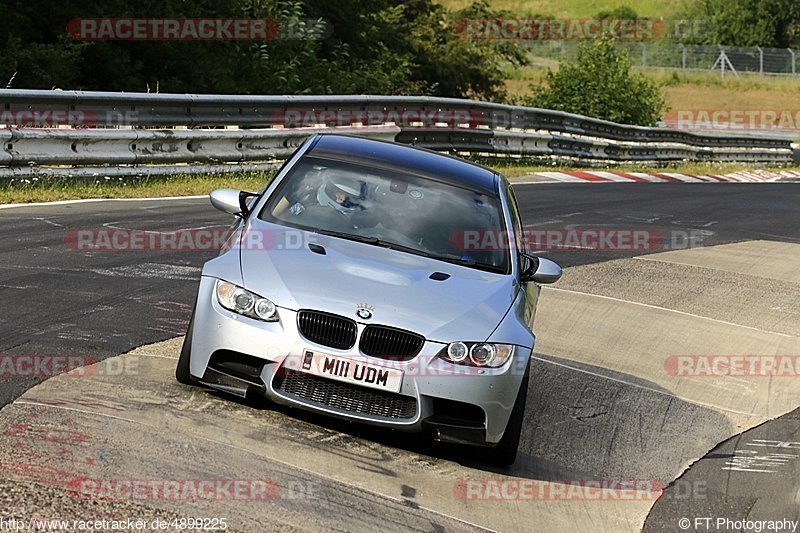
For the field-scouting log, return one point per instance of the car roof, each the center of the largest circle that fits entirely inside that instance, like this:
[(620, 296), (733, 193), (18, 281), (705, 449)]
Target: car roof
[(404, 158)]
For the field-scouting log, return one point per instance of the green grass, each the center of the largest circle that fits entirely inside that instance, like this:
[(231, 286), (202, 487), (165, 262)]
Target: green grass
[(669, 9), (44, 189), (693, 90), (49, 189)]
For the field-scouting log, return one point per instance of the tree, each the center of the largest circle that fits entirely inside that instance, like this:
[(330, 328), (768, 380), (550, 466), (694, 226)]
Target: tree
[(369, 47), (600, 84), (454, 64), (772, 23)]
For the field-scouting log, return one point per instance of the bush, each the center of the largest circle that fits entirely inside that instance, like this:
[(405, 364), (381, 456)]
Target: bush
[(621, 12), (600, 84)]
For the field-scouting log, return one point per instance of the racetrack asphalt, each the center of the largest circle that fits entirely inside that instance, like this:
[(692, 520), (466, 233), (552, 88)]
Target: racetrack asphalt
[(589, 417)]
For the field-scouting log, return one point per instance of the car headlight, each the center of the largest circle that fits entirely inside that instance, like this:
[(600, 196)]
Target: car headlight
[(244, 302), (482, 354)]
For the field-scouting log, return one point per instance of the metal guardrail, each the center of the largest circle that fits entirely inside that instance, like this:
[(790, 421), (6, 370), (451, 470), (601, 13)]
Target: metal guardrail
[(587, 150), (109, 129), (131, 147), (127, 152)]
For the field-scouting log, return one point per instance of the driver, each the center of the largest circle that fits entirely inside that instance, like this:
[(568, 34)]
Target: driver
[(342, 194), (338, 192), (339, 195)]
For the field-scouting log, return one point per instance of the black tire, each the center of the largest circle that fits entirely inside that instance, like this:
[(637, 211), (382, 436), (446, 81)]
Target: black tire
[(505, 453), (182, 370)]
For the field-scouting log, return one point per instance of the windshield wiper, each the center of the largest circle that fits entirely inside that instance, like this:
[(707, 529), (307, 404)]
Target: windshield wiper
[(348, 236), (469, 262), (455, 259), (372, 240)]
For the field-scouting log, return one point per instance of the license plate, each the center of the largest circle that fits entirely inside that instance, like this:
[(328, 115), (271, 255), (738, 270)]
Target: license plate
[(351, 371)]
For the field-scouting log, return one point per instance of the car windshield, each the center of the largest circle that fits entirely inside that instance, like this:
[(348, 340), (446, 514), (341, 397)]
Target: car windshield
[(392, 209)]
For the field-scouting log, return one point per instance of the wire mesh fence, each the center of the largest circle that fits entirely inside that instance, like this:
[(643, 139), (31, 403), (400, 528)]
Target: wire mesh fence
[(718, 60)]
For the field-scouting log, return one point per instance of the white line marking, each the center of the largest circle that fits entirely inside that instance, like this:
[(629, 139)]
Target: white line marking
[(560, 176), (648, 177), (672, 310), (646, 258), (151, 270), (682, 177), (610, 176), (795, 239), (543, 223), (94, 200), (513, 182), (703, 178), (48, 222), (113, 225), (733, 176), (153, 355), (751, 175)]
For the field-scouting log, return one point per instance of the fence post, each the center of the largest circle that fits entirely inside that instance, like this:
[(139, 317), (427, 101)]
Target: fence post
[(722, 61), (794, 70), (644, 55), (760, 62), (683, 57)]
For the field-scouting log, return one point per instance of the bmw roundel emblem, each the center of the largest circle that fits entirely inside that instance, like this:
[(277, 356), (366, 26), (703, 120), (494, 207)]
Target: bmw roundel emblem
[(364, 311)]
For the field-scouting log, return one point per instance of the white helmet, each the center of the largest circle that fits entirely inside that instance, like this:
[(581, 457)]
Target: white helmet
[(340, 193)]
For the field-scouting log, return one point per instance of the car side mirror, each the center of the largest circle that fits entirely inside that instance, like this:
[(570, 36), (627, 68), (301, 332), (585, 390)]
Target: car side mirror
[(231, 201), (539, 269)]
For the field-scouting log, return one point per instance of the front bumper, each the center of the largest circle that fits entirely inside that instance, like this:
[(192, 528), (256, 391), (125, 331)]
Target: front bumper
[(455, 403)]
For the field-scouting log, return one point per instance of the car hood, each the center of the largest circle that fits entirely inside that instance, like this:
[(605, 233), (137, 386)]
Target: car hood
[(468, 305)]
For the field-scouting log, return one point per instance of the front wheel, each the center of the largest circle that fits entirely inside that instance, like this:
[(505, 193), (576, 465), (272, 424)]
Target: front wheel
[(182, 370), (505, 453)]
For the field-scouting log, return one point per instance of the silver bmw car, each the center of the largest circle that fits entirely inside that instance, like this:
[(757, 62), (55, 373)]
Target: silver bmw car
[(379, 283)]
